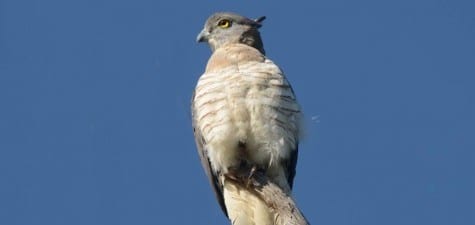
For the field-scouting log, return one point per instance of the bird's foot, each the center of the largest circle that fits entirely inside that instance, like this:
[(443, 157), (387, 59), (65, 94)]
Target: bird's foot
[(240, 171), (245, 174)]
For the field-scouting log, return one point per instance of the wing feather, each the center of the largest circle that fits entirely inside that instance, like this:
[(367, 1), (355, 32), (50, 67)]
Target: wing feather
[(202, 152)]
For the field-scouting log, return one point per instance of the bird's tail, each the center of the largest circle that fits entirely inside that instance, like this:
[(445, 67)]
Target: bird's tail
[(244, 207)]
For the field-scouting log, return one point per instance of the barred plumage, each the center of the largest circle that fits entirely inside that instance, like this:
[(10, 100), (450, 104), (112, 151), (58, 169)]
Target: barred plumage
[(244, 110)]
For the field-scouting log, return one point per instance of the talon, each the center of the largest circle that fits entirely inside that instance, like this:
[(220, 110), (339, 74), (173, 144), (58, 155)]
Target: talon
[(232, 176), (251, 173)]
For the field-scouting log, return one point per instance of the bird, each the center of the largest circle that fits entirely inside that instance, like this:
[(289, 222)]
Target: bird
[(245, 117)]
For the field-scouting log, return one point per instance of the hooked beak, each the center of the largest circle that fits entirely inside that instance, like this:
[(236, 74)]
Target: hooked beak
[(202, 36)]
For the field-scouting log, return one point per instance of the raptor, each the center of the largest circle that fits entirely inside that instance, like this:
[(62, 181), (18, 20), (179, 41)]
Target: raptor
[(245, 117)]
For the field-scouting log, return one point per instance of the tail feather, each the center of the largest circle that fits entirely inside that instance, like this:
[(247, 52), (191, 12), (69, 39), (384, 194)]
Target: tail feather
[(244, 207)]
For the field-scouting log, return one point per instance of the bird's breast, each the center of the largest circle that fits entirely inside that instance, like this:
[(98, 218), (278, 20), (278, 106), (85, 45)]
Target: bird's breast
[(251, 104)]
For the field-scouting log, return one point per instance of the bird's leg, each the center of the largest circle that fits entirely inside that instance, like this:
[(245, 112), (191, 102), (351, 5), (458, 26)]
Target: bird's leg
[(239, 172), (244, 171)]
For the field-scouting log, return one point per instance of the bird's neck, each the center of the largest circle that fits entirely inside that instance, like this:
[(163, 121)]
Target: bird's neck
[(233, 55), (253, 38)]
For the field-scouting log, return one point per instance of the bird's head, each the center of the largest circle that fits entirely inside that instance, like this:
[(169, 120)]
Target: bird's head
[(229, 28)]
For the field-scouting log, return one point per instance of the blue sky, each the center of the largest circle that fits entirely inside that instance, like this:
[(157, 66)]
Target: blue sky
[(95, 126)]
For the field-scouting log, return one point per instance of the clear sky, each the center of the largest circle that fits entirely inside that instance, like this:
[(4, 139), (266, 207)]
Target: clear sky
[(95, 122)]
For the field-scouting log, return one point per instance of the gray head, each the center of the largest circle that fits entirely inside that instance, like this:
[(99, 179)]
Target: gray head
[(228, 28)]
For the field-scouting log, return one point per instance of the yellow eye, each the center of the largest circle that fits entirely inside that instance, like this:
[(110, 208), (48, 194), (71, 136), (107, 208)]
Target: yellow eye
[(224, 23)]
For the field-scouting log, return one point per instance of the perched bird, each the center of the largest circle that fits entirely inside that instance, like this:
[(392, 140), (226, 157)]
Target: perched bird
[(245, 117)]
